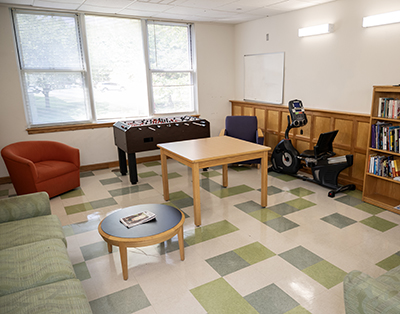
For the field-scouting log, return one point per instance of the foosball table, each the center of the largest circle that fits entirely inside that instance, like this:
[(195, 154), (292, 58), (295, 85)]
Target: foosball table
[(143, 135)]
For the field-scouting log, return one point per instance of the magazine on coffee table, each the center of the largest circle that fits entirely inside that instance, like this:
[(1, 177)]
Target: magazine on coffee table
[(137, 219)]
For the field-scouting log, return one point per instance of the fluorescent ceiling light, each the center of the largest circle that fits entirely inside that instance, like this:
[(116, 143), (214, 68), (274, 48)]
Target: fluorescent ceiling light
[(381, 19), (316, 30)]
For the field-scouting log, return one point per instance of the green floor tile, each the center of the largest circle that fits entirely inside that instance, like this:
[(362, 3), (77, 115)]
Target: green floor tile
[(349, 200), (130, 189), (283, 209), (210, 174), (86, 226), (81, 271), (254, 253), (86, 174), (177, 195), (209, 232), (210, 185), (126, 301), (4, 193), (300, 192), (271, 300), (183, 202), (339, 220), (300, 203), (78, 208), (325, 273), (390, 262), (272, 190), (73, 193), (103, 203), (286, 177), (354, 193), (249, 206), (369, 208), (378, 223), (232, 191), (147, 174), (68, 231), (264, 214), (298, 310), (110, 181), (281, 224), (300, 257), (227, 263), (94, 250), (240, 168), (173, 175), (218, 297)]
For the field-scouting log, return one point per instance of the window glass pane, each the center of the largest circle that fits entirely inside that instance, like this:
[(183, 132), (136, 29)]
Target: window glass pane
[(169, 47), (49, 41), (172, 92), (55, 97), (117, 67)]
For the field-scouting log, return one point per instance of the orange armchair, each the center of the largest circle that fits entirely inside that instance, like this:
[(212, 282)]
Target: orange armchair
[(48, 166)]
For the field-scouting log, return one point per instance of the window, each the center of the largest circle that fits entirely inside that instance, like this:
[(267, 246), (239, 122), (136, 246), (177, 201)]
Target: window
[(52, 68), (79, 68), (171, 67)]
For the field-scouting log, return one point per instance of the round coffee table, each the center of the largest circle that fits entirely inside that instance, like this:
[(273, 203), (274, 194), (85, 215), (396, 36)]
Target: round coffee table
[(169, 222)]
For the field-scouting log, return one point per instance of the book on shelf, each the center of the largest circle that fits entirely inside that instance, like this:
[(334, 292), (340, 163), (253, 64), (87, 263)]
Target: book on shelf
[(384, 166), (137, 219), (389, 108), (385, 136)]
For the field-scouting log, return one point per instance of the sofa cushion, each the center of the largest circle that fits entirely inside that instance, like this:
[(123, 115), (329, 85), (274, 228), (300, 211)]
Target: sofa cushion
[(34, 264), (53, 168), (25, 231), (61, 297)]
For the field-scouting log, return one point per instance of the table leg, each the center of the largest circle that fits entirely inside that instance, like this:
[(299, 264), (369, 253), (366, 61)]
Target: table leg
[(225, 175), (264, 179), (109, 246), (164, 171), (122, 162), (133, 177), (124, 261), (196, 194), (181, 244)]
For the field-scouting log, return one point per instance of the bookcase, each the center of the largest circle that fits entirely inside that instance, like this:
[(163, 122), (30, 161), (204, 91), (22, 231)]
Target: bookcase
[(377, 189)]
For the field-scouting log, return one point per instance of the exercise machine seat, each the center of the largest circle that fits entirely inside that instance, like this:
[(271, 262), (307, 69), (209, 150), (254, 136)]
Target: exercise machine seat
[(48, 166), (244, 128), (323, 148)]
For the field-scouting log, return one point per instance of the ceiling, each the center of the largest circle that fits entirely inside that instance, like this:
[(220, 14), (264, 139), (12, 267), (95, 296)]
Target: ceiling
[(219, 11)]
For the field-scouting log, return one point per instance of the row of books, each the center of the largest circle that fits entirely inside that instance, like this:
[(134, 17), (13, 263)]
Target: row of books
[(389, 108), (385, 136), (385, 166)]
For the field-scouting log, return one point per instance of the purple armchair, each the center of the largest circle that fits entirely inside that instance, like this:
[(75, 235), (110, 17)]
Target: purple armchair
[(244, 128)]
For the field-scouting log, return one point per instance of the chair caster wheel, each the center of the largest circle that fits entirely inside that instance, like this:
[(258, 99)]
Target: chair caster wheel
[(331, 194)]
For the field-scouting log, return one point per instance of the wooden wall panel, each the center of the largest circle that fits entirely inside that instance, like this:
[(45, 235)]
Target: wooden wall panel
[(351, 139)]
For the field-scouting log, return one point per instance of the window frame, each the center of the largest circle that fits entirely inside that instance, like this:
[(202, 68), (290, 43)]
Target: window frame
[(93, 121)]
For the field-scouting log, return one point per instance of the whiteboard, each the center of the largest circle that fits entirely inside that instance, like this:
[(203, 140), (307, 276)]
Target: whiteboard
[(263, 77)]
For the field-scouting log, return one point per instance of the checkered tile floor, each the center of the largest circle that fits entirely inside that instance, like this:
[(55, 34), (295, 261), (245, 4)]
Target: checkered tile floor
[(290, 257)]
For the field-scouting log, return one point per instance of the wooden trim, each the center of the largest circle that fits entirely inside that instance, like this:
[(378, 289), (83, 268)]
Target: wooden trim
[(350, 126)]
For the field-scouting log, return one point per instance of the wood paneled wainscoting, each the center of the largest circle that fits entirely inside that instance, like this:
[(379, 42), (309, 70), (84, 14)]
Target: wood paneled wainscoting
[(351, 139)]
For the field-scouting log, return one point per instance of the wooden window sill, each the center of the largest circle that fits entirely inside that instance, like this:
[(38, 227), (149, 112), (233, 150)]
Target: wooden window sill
[(72, 127)]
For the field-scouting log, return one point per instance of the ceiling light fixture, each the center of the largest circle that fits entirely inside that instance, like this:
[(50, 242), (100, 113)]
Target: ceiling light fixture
[(381, 19), (316, 30)]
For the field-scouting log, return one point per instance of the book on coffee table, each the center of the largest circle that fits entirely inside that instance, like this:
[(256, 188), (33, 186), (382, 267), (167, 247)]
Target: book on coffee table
[(137, 219)]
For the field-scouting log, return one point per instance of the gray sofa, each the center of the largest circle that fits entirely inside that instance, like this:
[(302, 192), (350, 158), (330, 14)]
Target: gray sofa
[(366, 295), (36, 275)]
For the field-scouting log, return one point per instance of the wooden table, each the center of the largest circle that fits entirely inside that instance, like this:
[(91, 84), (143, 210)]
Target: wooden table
[(209, 152), (169, 222)]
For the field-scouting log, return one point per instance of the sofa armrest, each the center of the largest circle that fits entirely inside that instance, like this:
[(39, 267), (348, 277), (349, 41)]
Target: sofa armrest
[(24, 206), (364, 294), (259, 137), (222, 133)]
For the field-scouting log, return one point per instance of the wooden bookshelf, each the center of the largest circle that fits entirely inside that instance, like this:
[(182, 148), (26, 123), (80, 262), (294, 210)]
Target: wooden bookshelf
[(377, 190)]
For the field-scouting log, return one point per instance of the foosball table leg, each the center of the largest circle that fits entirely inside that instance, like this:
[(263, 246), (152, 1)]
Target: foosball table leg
[(133, 177), (122, 162)]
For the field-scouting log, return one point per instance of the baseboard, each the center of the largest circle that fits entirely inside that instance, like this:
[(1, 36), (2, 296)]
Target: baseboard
[(104, 165)]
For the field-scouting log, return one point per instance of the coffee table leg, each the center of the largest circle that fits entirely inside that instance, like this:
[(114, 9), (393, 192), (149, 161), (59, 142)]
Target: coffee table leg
[(124, 261), (181, 244), (164, 171), (196, 194), (225, 176), (109, 248), (264, 179)]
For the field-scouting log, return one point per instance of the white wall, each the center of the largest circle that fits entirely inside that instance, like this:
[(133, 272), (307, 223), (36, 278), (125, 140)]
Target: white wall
[(334, 71), (215, 85)]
